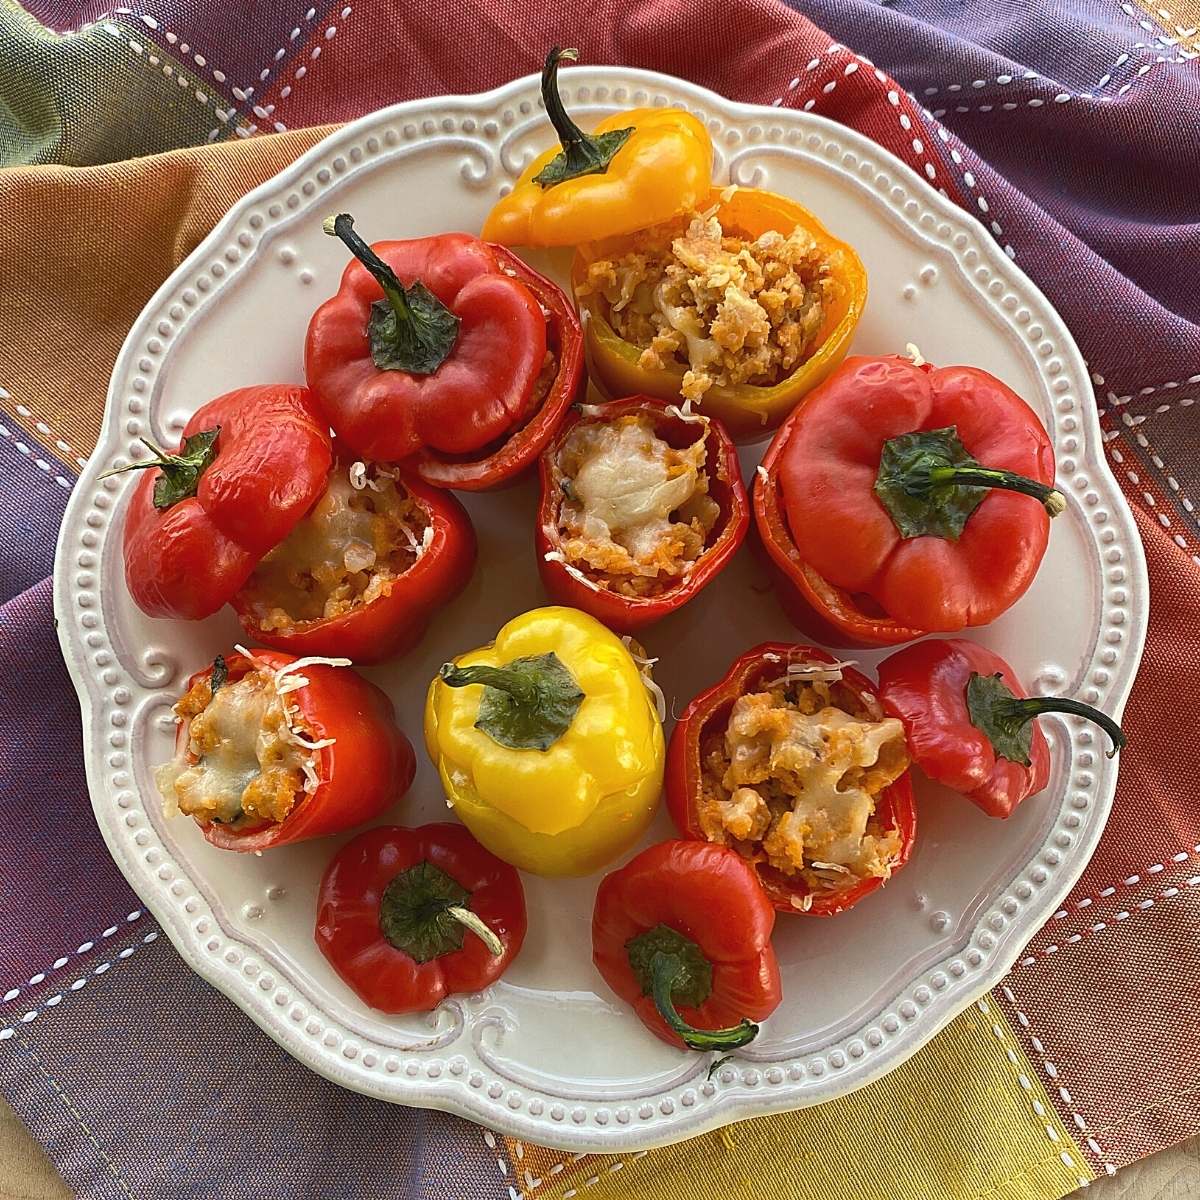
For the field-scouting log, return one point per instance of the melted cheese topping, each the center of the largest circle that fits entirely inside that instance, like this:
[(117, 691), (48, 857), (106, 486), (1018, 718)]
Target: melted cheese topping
[(240, 761), (794, 781), (347, 551), (733, 310), (636, 511)]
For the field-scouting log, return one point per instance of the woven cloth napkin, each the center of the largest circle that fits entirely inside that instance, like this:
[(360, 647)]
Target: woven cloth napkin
[(1068, 128)]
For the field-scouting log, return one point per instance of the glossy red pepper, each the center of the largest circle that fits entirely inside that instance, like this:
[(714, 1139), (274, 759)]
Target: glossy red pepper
[(367, 768), (199, 520), (626, 614), (396, 619), (899, 500), (433, 352), (969, 723), (409, 916), (682, 933), (708, 715)]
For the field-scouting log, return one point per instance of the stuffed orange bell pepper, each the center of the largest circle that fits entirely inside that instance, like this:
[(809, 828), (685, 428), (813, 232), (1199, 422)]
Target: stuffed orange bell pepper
[(548, 744), (741, 308), (634, 169)]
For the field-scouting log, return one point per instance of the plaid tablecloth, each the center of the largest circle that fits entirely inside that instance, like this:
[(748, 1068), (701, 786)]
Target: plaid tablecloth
[(1069, 126)]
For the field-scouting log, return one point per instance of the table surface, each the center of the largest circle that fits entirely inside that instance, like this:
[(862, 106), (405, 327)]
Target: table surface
[(27, 1174)]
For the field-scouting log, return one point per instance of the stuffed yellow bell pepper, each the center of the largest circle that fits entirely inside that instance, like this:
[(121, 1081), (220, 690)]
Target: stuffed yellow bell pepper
[(634, 169), (548, 743), (742, 308)]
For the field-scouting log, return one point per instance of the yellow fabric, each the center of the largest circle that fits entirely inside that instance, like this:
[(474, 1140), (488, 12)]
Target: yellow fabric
[(964, 1119), (82, 251)]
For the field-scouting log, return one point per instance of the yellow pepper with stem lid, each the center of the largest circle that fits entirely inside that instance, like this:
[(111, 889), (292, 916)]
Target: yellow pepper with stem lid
[(634, 169), (548, 743)]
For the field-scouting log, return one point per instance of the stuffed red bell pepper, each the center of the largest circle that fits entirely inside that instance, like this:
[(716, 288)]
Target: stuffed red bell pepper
[(446, 353), (903, 499), (409, 916), (642, 505), (351, 559), (249, 465), (791, 761), (364, 571), (970, 724), (683, 934), (273, 749)]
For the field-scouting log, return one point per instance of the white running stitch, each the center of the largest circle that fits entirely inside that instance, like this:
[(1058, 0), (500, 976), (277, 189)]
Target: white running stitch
[(44, 429), (10, 1030), (173, 39), (981, 83), (1100, 926), (1154, 869), (969, 180), (1039, 1109), (1052, 1071), (1114, 400), (39, 976), (40, 463)]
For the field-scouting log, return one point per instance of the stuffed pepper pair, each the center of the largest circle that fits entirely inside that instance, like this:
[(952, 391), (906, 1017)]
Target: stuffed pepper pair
[(735, 299), (317, 553), (800, 763)]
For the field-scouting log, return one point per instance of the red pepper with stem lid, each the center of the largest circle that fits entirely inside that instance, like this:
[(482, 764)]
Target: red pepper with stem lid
[(446, 353), (682, 933), (642, 506), (970, 724), (365, 570), (408, 917), (902, 499), (249, 465), (273, 749), (790, 761)]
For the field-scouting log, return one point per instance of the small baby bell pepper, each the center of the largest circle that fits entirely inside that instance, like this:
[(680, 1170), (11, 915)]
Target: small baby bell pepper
[(970, 724), (400, 606), (748, 410), (408, 917), (705, 720), (273, 749), (683, 934), (549, 747), (572, 582), (249, 465), (437, 352), (904, 499), (634, 169)]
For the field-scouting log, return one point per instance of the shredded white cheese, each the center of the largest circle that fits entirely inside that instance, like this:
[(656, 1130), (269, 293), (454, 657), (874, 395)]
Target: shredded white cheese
[(684, 413), (644, 669), (573, 571), (761, 472), (913, 353), (358, 475), (827, 866)]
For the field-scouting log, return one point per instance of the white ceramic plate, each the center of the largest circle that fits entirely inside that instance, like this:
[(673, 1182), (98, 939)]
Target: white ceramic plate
[(548, 1054)]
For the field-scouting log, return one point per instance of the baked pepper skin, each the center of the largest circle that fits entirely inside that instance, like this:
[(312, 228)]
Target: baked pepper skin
[(699, 908), (268, 465), (380, 919), (709, 712), (502, 465), (969, 723), (627, 614), (395, 621), (748, 411), (368, 768), (480, 390), (568, 808), (852, 573), (661, 167)]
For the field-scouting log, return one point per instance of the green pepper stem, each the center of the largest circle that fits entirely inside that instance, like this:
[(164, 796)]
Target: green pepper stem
[(1025, 710), (503, 679), (161, 459), (342, 227), (573, 139), (664, 970), (476, 925), (1052, 499)]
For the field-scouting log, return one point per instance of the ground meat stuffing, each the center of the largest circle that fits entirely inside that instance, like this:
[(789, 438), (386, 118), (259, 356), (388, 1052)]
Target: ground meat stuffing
[(732, 309), (635, 513), (794, 778)]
